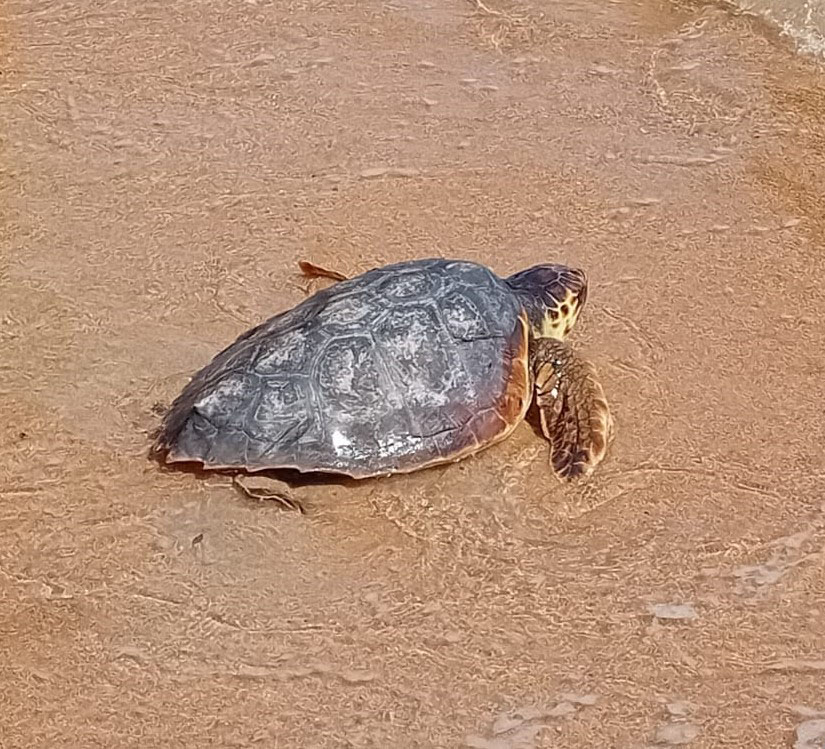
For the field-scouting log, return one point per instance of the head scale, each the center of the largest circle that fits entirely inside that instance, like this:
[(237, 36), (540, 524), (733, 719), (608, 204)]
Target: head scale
[(553, 296)]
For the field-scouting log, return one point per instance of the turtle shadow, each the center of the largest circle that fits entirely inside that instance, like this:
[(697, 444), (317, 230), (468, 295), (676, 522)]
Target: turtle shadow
[(289, 476), (292, 479)]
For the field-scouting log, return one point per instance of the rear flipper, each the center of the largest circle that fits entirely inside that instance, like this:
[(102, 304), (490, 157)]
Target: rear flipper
[(262, 489), (575, 417), (310, 270)]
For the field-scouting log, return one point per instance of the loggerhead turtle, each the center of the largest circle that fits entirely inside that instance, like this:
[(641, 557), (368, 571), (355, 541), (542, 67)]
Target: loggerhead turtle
[(406, 366)]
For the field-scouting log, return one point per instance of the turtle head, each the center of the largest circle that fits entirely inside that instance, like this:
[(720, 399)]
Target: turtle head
[(553, 296)]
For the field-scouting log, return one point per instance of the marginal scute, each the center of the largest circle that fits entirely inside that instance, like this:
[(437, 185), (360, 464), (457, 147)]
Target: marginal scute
[(226, 450)]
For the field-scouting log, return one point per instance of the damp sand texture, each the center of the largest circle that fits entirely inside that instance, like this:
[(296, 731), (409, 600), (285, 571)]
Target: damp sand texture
[(166, 166)]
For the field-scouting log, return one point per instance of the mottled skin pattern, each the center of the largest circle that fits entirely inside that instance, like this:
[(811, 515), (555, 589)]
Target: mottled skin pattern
[(403, 367), (574, 414)]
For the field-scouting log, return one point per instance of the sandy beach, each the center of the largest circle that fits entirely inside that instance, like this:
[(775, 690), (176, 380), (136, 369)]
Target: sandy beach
[(165, 167)]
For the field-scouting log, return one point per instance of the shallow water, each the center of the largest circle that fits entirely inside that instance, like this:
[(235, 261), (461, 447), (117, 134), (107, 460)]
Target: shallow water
[(803, 21)]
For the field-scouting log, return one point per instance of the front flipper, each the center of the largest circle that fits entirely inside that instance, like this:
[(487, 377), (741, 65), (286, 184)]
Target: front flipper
[(575, 416)]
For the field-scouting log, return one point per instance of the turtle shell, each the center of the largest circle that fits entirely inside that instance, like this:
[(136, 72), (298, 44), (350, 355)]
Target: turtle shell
[(405, 366)]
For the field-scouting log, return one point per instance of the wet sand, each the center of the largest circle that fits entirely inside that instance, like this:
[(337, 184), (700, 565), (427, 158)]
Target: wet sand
[(167, 165)]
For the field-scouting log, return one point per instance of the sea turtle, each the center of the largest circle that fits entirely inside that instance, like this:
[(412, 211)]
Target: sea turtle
[(406, 366)]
